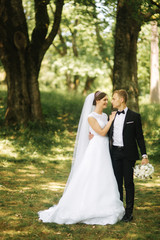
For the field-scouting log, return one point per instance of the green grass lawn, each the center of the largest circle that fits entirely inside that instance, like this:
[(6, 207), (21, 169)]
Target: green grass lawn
[(35, 163)]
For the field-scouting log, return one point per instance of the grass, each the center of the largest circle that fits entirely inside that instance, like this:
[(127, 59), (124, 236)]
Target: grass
[(35, 162)]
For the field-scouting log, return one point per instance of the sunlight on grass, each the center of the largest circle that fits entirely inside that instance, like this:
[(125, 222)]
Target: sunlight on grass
[(5, 213), (6, 164), (14, 233), (30, 171), (7, 174), (53, 186), (144, 208), (151, 184), (6, 148)]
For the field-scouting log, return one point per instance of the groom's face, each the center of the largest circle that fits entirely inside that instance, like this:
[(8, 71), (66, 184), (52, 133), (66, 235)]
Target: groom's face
[(116, 101)]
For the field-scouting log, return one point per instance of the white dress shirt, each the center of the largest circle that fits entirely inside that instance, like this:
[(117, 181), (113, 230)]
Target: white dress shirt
[(118, 129)]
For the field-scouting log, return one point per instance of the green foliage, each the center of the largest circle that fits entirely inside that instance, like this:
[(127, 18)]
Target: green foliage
[(151, 123), (61, 112), (143, 58), (65, 61), (81, 18), (29, 13), (61, 65)]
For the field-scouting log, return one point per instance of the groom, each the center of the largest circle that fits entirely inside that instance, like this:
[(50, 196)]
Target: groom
[(125, 134)]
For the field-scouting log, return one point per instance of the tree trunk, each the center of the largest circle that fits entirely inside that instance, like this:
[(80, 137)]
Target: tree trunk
[(74, 39), (69, 81), (154, 77), (125, 53), (88, 84), (18, 101), (75, 53), (23, 102), (22, 58), (76, 82), (14, 55)]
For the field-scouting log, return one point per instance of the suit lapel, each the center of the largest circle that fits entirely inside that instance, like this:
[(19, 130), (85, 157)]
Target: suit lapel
[(126, 118), (111, 135)]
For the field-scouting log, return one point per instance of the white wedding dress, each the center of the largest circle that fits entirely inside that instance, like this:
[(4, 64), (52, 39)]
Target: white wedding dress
[(91, 196)]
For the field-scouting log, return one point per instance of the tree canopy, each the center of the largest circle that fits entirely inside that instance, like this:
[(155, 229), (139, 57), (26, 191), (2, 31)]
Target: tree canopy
[(73, 45)]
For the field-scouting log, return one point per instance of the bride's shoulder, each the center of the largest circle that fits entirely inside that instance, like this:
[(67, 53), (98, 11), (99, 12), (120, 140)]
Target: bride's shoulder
[(104, 114), (91, 115), (96, 115)]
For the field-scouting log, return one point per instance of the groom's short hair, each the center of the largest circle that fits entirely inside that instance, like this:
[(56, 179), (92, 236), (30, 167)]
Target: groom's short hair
[(122, 93)]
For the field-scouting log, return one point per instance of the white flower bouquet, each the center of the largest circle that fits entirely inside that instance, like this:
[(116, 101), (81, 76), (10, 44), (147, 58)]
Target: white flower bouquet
[(144, 171)]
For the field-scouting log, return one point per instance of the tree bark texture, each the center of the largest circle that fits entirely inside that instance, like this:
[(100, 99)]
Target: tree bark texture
[(154, 77), (22, 57), (125, 53)]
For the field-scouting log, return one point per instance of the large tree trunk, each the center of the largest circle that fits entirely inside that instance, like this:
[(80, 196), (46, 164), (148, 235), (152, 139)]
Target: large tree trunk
[(125, 54), (22, 58), (23, 102), (154, 79), (16, 61), (19, 108)]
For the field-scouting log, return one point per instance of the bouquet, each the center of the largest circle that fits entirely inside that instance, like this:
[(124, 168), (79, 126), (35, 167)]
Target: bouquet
[(144, 171)]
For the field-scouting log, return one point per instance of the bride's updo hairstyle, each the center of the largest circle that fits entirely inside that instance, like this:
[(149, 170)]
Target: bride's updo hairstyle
[(98, 96)]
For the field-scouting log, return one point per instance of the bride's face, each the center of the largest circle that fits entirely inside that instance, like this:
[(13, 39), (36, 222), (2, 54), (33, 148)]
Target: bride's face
[(103, 102)]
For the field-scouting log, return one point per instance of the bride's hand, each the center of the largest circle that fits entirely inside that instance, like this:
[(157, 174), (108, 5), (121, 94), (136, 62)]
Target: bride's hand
[(90, 135), (112, 116)]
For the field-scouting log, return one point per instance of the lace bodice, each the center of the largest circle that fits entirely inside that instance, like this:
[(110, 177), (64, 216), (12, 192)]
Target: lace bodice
[(102, 119)]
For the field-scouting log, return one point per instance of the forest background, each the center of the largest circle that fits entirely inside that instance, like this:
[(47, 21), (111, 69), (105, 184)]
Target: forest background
[(77, 46)]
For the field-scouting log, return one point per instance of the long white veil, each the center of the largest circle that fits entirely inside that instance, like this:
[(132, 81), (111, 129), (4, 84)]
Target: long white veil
[(82, 138)]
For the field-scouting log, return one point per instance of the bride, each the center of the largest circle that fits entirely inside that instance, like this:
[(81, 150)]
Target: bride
[(91, 194)]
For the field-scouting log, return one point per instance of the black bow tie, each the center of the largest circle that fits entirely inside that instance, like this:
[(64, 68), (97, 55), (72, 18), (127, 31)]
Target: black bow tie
[(119, 112)]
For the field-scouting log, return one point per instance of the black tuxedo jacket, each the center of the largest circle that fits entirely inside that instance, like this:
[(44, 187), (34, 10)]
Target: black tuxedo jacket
[(132, 136)]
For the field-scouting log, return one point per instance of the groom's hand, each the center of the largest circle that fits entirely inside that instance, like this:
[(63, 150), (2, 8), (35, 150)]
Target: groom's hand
[(91, 136), (145, 161)]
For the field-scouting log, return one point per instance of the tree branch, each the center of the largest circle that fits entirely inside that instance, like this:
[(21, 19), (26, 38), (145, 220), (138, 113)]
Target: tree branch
[(62, 48), (55, 27), (151, 12), (58, 50), (42, 22), (154, 3), (63, 43), (148, 16), (74, 42)]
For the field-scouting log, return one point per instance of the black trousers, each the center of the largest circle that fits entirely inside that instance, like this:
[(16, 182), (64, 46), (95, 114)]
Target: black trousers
[(123, 170)]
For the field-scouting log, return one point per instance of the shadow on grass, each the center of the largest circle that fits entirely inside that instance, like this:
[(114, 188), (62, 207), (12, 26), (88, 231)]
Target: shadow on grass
[(61, 113), (30, 186)]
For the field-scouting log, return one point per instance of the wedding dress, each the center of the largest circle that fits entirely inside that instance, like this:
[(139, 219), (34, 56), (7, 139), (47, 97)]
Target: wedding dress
[(91, 195)]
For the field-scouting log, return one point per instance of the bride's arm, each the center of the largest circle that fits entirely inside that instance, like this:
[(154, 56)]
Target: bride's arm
[(95, 126)]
